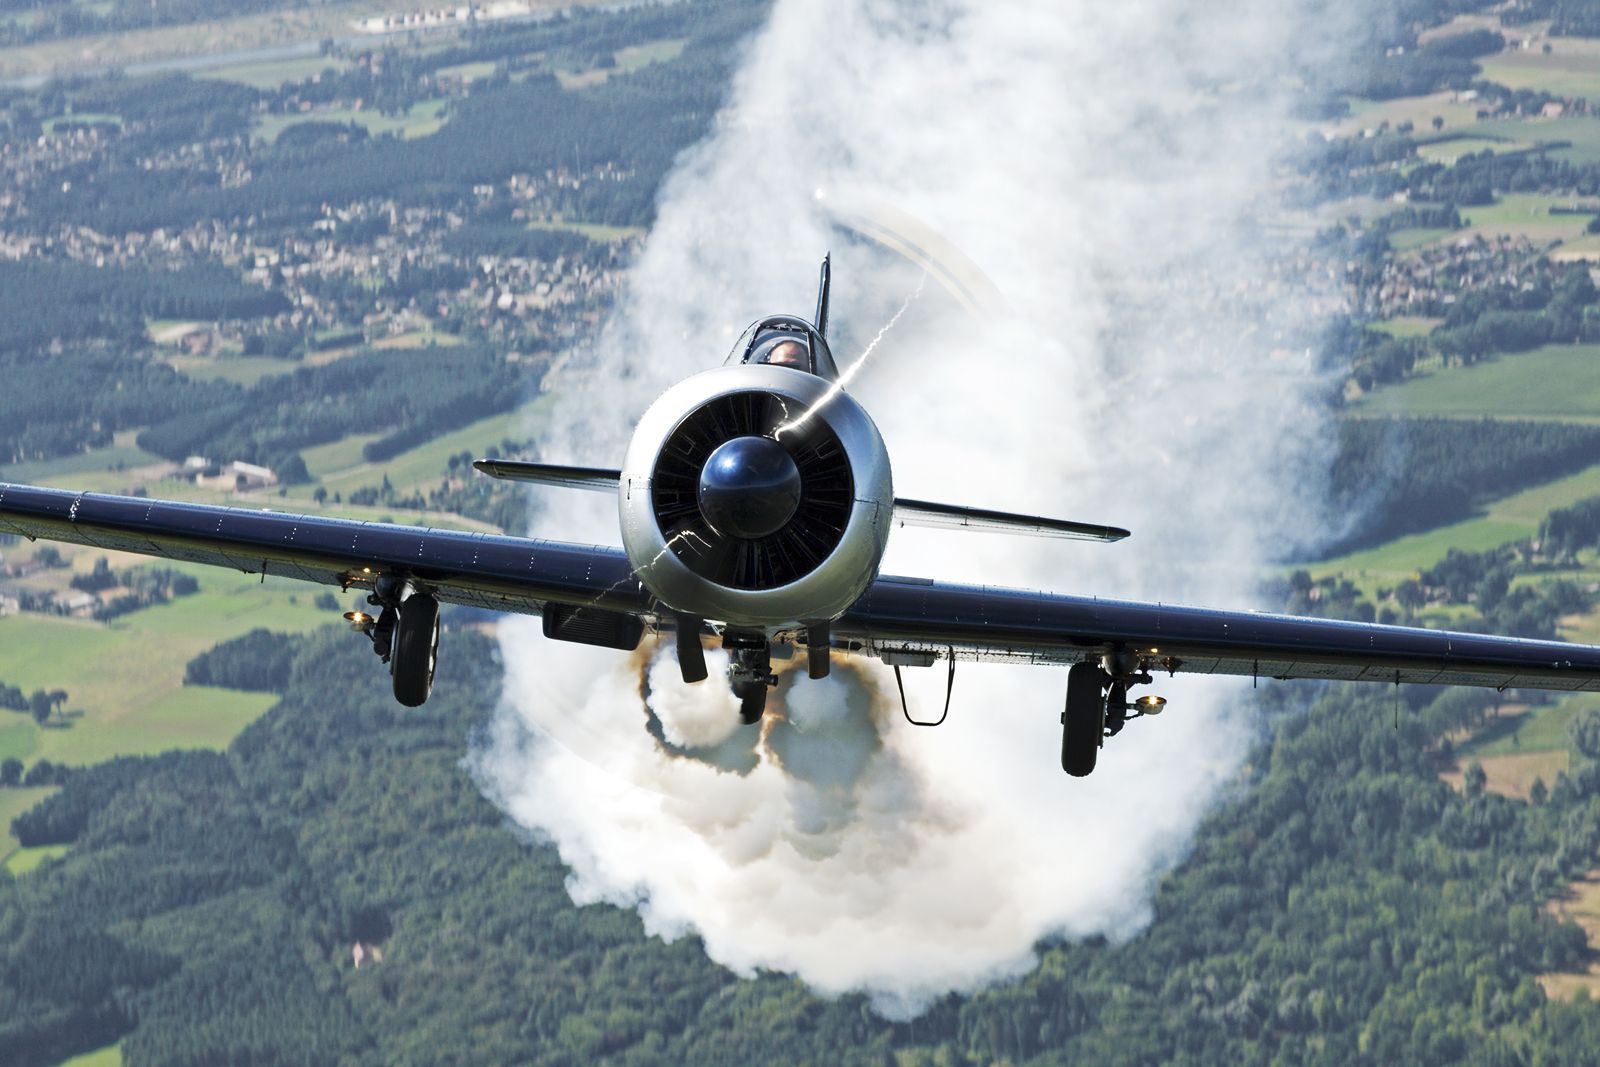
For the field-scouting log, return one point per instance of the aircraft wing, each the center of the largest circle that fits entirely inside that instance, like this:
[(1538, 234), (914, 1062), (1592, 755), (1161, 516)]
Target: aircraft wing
[(482, 570), (921, 618), (909, 616)]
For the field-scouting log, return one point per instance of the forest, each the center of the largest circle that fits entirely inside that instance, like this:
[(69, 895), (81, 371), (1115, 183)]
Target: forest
[(1347, 907)]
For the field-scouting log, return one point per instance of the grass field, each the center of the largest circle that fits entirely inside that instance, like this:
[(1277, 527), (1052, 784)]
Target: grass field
[(110, 1056), (1536, 729), (1572, 67), (56, 122), (133, 699), (27, 860), (1416, 237), (1509, 519), (112, 457), (14, 802), (419, 120), (628, 60), (1556, 381), (270, 74), (593, 231), (467, 72), (1453, 149), (1407, 326), (242, 370), (1420, 111), (341, 469), (1584, 133), (1523, 215)]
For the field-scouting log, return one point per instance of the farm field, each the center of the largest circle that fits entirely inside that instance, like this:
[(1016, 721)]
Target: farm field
[(340, 468), (1510, 518), (1572, 67), (241, 370), (1522, 215), (419, 120), (1584, 133), (1552, 382), (1453, 149)]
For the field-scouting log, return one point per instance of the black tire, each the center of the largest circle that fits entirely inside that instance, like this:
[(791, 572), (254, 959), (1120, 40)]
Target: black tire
[(752, 701), (416, 650), (1083, 721)]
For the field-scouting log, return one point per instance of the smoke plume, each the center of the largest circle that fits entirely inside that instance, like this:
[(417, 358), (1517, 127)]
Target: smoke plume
[(1106, 330)]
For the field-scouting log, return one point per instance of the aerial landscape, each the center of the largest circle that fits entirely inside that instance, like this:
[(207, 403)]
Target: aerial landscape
[(1308, 300)]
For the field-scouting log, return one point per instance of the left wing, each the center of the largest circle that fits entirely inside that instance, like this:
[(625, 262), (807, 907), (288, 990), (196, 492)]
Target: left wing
[(500, 573), (923, 618)]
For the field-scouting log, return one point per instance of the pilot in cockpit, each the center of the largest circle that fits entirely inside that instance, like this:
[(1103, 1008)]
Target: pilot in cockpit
[(787, 353)]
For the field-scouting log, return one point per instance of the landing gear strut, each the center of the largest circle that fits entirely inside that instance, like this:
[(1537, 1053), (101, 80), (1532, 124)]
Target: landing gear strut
[(405, 635), (749, 673), (1098, 708)]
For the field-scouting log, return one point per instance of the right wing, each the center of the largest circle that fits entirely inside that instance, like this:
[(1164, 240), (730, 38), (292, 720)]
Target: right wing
[(925, 619), (516, 574)]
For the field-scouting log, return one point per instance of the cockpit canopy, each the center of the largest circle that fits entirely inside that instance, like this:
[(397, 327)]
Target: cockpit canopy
[(786, 341)]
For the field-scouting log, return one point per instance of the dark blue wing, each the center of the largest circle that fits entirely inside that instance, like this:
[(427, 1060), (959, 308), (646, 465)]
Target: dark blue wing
[(500, 573), (979, 622)]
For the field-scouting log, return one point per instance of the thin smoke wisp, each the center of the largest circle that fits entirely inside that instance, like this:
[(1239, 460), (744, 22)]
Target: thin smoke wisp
[(1104, 166)]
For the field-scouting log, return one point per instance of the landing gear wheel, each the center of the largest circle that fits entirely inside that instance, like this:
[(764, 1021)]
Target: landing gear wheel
[(1083, 721), (416, 649), (752, 701)]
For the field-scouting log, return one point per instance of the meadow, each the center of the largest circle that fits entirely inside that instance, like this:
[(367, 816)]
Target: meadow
[(1551, 382)]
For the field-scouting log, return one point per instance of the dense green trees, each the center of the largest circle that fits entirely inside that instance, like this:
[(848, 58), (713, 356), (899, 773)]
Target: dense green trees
[(1346, 908), (1403, 475)]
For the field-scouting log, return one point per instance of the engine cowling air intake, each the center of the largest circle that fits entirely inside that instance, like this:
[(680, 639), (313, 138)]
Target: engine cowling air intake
[(758, 498)]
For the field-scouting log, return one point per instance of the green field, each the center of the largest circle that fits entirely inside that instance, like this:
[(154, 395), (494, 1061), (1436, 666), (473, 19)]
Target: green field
[(1511, 518), (1416, 237), (132, 699), (242, 370), (419, 120), (27, 860), (1523, 215), (14, 802), (1572, 68), (1407, 326), (1553, 382), (1584, 133), (1538, 729), (1420, 111), (112, 457), (630, 59), (110, 1056), (593, 231), (269, 74), (424, 466), (1453, 149), (56, 122), (467, 72)]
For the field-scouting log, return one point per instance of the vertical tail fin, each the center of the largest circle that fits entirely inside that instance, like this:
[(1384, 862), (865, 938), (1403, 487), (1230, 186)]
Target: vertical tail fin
[(821, 320)]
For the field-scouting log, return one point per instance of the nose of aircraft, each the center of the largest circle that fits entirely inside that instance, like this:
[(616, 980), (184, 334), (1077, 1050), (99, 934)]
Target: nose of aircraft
[(749, 488)]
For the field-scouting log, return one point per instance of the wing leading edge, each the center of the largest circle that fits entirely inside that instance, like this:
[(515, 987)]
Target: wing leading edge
[(488, 571), (1021, 625)]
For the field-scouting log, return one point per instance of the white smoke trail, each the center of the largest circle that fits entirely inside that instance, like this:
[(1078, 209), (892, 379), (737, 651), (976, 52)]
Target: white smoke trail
[(1102, 165)]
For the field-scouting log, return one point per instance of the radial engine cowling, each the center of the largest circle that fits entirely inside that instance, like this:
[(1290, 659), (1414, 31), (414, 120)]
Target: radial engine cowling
[(754, 497)]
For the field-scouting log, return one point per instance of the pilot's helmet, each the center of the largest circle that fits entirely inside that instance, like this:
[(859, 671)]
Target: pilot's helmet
[(783, 352)]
